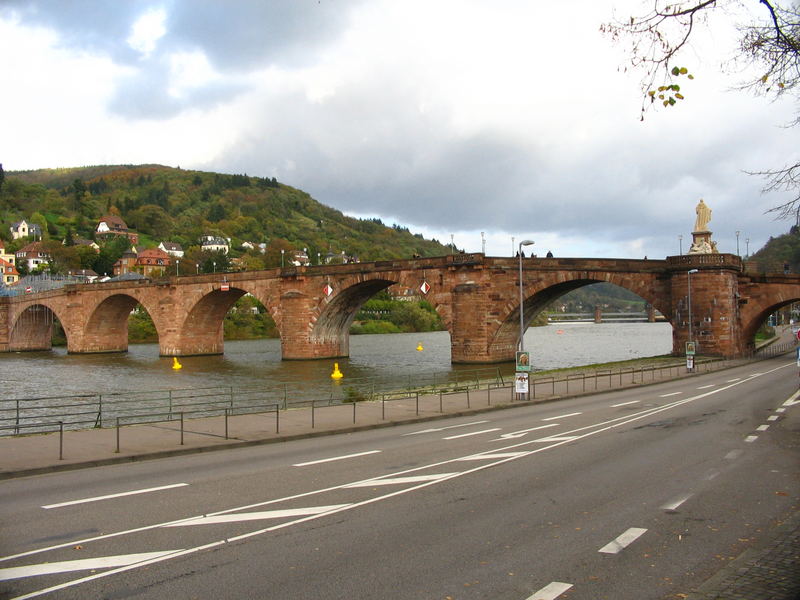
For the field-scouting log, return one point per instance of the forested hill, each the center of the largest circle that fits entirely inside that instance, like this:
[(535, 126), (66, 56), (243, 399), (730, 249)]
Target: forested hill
[(172, 204), (778, 251)]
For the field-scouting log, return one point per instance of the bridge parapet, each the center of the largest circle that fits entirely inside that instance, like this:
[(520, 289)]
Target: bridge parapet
[(699, 261)]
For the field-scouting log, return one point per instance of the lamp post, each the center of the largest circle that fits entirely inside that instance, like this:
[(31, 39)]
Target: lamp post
[(522, 295), (197, 266), (747, 247), (680, 244), (177, 267), (483, 242), (737, 244), (452, 245), (214, 265), (283, 251), (689, 287), (512, 245)]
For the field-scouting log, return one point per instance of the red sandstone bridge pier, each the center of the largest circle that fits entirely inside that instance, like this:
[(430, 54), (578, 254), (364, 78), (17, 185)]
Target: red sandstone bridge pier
[(477, 297)]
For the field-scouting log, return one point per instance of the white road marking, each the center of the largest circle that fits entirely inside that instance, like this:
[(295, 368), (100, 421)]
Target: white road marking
[(551, 591), (562, 416), (563, 438), (625, 403), (705, 387), (521, 432), (773, 418), (491, 456), (762, 427), (623, 541), (462, 435), (751, 438), (399, 480), (793, 399), (711, 475), (733, 380), (131, 493), (670, 394), (780, 410), (434, 430), (256, 516), (343, 457), (85, 564), (675, 503), (734, 454)]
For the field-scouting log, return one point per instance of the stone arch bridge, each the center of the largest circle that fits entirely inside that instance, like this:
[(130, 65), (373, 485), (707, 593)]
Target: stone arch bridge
[(476, 296)]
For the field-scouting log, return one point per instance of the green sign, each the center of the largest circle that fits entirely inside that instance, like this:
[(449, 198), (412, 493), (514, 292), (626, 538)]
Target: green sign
[(690, 348), (523, 361)]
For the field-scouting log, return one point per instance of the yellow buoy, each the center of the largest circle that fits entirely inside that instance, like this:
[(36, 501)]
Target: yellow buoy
[(175, 364), (420, 348), (337, 374)]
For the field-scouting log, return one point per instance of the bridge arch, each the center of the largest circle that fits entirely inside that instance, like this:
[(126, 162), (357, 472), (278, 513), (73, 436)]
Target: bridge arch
[(754, 318), (541, 292), (201, 331), (32, 329)]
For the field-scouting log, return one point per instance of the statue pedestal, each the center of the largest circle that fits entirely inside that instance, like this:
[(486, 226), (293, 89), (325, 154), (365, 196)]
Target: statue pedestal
[(701, 243)]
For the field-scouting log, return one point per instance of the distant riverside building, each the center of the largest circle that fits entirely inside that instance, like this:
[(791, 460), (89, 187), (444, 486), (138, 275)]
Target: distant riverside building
[(152, 262), (214, 243), (33, 255), (10, 273), (126, 263), (171, 248)]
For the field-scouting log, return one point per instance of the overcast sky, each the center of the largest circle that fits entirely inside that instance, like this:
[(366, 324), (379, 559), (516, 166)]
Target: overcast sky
[(450, 117)]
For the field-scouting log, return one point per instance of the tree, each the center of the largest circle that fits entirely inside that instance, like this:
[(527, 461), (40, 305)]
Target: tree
[(769, 42), (2, 177)]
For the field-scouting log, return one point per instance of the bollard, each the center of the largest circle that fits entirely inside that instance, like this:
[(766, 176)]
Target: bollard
[(61, 440)]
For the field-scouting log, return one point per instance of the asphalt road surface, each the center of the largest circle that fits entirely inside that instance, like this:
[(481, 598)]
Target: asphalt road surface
[(636, 494)]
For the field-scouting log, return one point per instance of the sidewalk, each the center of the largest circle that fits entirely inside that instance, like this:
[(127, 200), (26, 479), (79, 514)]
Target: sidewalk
[(770, 570)]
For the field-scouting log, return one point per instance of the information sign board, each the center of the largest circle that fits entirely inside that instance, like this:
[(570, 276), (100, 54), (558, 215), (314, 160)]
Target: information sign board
[(521, 383), (523, 360)]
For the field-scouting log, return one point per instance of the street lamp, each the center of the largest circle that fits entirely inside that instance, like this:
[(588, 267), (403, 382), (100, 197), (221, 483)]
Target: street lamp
[(512, 245), (521, 295), (747, 247), (689, 287), (680, 244), (214, 265), (737, 244), (177, 267), (282, 253), (483, 242), (197, 266), (452, 245)]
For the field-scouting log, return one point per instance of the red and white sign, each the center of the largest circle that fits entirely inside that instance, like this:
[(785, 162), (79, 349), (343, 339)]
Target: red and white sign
[(424, 288), (327, 290), (28, 290), (224, 287)]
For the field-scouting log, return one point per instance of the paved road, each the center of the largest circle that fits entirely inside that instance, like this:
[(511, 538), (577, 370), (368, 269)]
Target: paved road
[(637, 494)]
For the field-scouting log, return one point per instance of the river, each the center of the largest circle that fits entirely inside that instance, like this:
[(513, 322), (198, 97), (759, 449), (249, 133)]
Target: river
[(390, 359)]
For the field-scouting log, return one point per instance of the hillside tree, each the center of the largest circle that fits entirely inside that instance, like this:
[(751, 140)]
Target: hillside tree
[(768, 48)]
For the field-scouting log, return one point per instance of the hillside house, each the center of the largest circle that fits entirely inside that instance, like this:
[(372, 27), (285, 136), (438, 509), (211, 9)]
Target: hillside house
[(33, 255), (213, 243), (171, 248), (10, 273), (126, 263), (113, 225), (153, 262), (24, 229)]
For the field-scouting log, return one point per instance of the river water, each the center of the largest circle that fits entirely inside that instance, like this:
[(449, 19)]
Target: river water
[(391, 359)]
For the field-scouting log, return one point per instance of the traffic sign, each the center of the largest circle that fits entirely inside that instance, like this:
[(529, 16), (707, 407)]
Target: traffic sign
[(424, 288), (327, 290), (224, 287)]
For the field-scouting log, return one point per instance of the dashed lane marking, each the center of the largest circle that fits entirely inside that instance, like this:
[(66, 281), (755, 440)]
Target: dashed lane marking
[(562, 416), (437, 429), (463, 435), (750, 439), (676, 502), (551, 591), (333, 458), (625, 403), (623, 541), (670, 394), (762, 427)]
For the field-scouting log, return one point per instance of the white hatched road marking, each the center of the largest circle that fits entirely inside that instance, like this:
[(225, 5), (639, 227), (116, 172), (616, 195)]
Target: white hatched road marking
[(625, 403), (793, 399), (436, 429), (675, 503), (623, 541), (589, 430), (562, 416), (551, 591), (121, 494), (255, 516), (463, 435), (399, 480), (84, 564), (343, 457), (670, 394)]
